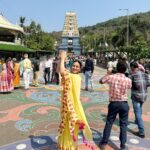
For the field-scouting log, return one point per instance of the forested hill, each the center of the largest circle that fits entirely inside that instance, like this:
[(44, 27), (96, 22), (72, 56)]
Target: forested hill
[(138, 20), (114, 31)]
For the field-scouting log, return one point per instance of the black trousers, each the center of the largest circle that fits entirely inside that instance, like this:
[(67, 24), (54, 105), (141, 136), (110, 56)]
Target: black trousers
[(114, 108), (47, 75), (57, 78)]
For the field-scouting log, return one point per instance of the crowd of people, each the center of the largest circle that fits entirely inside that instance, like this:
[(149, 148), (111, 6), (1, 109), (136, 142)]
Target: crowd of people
[(143, 65), (121, 76), (125, 76), (28, 70), (8, 76)]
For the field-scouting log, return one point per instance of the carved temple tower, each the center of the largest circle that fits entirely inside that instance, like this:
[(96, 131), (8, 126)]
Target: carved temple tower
[(70, 34)]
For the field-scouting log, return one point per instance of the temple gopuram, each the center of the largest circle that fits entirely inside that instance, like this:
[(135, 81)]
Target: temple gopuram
[(70, 35), (10, 39)]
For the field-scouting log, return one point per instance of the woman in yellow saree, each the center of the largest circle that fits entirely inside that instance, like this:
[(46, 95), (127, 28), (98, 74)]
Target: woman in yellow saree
[(72, 114), (16, 80)]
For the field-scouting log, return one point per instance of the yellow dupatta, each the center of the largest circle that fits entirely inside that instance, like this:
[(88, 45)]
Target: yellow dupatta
[(16, 80), (72, 114)]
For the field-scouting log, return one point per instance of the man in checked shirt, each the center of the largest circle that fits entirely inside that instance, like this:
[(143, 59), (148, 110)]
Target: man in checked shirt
[(118, 89), (140, 82)]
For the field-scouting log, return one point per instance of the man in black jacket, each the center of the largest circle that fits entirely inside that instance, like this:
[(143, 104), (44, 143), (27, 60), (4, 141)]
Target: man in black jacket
[(88, 71)]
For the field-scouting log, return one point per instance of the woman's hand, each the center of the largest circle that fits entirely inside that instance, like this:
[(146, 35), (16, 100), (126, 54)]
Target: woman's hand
[(62, 54)]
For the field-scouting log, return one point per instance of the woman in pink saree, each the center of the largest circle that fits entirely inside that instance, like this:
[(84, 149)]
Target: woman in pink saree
[(6, 78)]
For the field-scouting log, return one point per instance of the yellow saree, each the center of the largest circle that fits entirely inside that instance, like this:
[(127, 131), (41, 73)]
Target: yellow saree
[(72, 114), (16, 80)]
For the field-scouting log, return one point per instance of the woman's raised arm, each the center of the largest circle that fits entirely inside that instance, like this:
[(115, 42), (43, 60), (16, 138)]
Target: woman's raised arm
[(61, 64)]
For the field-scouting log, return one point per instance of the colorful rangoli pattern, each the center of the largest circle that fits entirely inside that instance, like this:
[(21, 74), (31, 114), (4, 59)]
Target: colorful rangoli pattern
[(30, 119)]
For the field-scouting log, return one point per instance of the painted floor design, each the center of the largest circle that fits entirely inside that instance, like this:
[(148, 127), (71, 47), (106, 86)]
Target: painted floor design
[(29, 119)]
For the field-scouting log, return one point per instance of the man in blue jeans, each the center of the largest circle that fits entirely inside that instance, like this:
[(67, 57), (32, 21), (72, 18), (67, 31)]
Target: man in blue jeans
[(118, 89), (140, 82), (88, 71)]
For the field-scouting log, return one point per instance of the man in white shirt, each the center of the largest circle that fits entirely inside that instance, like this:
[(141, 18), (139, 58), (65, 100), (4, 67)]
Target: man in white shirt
[(47, 70), (110, 65), (27, 67)]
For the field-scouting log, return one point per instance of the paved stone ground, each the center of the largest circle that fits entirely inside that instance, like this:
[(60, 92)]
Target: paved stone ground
[(29, 118)]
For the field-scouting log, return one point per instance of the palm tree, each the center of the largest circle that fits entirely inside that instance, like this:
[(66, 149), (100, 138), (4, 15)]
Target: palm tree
[(22, 21)]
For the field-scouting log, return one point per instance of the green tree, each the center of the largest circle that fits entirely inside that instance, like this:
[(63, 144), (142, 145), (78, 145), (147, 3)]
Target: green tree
[(38, 39)]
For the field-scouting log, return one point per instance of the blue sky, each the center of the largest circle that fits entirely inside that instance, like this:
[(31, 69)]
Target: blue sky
[(51, 13)]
